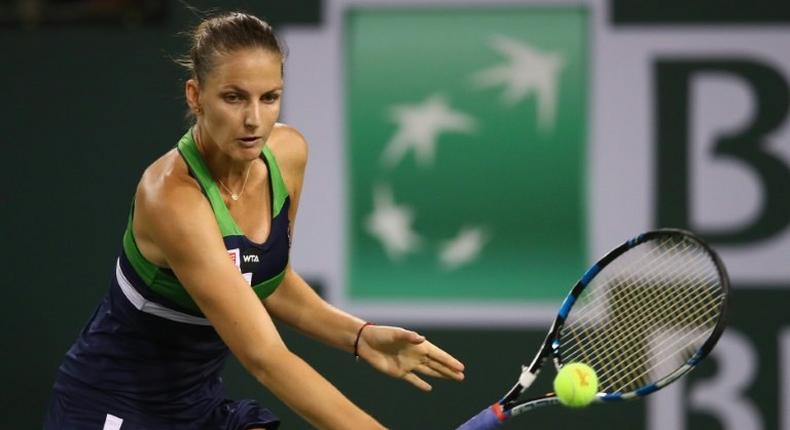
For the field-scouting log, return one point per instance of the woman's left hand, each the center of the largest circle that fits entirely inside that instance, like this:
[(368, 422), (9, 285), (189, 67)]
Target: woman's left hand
[(403, 353)]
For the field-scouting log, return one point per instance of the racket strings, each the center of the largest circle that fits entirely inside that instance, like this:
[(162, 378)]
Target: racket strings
[(606, 276), (639, 324), (594, 297), (619, 349), (671, 288), (634, 325), (676, 347), (592, 311), (622, 351), (649, 312), (591, 307), (642, 380)]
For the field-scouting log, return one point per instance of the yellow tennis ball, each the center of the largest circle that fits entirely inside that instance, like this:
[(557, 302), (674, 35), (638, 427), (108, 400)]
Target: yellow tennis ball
[(576, 385)]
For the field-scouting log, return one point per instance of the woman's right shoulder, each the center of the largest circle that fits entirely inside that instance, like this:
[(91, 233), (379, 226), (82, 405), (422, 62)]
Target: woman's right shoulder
[(169, 208), (167, 182)]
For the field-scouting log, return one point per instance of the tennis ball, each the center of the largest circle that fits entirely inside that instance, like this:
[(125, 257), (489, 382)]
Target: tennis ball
[(576, 385)]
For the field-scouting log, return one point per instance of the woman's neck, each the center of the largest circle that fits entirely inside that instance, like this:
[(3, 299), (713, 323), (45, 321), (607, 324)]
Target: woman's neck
[(232, 173)]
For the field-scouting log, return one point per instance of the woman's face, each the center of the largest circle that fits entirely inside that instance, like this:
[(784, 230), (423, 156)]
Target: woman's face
[(239, 101)]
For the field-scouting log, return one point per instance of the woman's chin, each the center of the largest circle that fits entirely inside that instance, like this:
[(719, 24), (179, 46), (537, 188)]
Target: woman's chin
[(247, 150)]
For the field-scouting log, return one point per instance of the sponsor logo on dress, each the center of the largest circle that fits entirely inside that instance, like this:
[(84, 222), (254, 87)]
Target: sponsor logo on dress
[(234, 257)]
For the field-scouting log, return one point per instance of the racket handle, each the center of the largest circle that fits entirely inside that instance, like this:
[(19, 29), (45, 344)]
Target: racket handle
[(489, 418)]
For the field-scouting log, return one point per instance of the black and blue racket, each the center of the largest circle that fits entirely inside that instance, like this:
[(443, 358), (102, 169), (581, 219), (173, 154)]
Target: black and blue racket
[(643, 316)]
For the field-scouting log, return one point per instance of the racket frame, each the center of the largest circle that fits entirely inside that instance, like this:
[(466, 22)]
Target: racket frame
[(510, 406)]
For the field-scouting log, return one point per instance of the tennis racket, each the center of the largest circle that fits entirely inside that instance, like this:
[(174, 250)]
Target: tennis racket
[(643, 316)]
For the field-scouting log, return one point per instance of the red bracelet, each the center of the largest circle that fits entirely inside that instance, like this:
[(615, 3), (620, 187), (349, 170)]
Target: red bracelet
[(356, 341)]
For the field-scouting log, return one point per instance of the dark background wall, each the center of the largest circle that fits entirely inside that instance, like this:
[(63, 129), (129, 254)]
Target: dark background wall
[(86, 108)]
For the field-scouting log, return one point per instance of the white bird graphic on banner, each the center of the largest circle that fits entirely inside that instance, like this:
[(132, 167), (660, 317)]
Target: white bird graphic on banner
[(527, 70), (464, 248), (419, 126), (391, 224)]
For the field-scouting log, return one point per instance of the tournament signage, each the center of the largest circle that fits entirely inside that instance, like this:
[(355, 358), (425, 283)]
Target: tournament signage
[(478, 177), (467, 142)]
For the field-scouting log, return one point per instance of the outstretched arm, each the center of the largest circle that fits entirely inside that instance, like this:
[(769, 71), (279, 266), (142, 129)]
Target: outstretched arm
[(394, 351), (178, 221)]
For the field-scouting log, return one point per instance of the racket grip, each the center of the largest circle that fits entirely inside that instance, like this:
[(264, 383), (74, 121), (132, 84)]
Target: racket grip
[(489, 418)]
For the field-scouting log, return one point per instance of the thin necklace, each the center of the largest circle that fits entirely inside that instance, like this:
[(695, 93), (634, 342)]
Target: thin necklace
[(233, 195)]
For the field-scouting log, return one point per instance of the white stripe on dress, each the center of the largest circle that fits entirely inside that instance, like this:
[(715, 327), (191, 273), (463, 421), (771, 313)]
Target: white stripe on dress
[(112, 422), (144, 305)]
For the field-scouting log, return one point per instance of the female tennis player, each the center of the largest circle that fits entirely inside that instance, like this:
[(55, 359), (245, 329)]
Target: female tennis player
[(204, 268)]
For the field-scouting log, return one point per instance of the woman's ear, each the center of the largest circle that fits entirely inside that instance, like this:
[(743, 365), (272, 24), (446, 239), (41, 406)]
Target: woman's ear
[(192, 92)]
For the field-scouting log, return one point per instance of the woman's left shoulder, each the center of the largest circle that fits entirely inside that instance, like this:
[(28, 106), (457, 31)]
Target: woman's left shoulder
[(288, 146)]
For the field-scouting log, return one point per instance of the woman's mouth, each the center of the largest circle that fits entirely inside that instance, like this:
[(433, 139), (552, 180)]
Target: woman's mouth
[(249, 141)]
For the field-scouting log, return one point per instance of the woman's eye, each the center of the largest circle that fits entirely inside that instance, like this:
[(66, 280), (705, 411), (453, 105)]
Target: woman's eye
[(231, 98), (270, 98)]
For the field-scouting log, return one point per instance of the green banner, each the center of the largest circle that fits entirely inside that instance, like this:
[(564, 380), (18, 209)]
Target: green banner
[(466, 134)]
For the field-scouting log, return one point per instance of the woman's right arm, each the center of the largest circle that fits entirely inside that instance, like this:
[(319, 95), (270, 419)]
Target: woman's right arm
[(177, 220)]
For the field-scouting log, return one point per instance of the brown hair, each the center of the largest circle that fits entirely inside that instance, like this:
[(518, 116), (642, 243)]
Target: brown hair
[(226, 33)]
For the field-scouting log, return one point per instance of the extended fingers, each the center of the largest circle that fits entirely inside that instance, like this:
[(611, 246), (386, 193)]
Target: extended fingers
[(417, 381), (426, 369), (442, 371), (438, 364), (438, 355)]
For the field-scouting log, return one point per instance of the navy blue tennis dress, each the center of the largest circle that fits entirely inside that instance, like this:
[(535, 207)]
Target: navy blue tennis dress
[(148, 358)]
